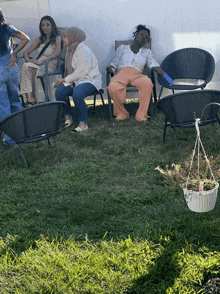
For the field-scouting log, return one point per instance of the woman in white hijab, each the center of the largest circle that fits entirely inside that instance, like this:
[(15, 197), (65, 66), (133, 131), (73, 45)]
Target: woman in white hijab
[(82, 77)]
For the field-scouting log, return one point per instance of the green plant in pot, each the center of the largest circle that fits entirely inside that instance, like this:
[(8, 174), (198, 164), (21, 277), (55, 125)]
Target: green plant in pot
[(199, 180)]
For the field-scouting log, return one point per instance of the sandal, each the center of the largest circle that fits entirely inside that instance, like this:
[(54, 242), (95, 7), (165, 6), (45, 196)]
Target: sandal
[(29, 104), (68, 122), (22, 101), (79, 129)]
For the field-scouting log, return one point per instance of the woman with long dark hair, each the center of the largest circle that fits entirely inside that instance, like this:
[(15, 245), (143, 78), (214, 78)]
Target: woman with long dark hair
[(48, 45), (9, 71)]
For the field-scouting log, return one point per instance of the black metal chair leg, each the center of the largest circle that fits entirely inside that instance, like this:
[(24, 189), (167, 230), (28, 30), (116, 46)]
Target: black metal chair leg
[(160, 92), (106, 110), (23, 157), (109, 106), (154, 87), (103, 102), (164, 131), (94, 101)]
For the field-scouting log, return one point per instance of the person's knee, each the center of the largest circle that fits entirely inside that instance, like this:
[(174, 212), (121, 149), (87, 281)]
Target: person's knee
[(76, 95), (79, 95), (147, 81), (113, 88), (59, 94)]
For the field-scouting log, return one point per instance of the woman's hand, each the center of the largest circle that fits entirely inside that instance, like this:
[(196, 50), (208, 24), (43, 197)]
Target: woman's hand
[(38, 62), (57, 83), (30, 60), (169, 79), (110, 69), (12, 61)]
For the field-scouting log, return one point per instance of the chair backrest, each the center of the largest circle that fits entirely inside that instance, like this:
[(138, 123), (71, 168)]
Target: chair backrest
[(185, 107), (60, 63), (189, 63), (32, 122), (128, 42)]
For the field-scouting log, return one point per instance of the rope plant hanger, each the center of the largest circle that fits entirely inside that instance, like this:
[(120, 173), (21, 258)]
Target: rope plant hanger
[(199, 144)]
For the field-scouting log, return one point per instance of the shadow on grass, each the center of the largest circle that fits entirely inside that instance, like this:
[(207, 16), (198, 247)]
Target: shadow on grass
[(162, 275), (187, 248)]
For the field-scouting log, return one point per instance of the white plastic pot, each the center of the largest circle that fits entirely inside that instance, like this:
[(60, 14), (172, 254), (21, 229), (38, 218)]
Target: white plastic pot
[(201, 201)]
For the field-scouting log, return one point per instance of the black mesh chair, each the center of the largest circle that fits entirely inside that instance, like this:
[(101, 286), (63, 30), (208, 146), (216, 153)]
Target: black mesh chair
[(193, 67), (34, 124), (146, 71), (182, 109)]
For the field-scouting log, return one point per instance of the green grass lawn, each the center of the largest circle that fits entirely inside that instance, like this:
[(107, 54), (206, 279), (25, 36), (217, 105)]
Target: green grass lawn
[(103, 220)]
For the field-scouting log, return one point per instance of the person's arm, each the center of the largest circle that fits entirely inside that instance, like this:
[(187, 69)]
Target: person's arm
[(115, 61), (24, 40), (30, 49), (158, 70), (152, 63), (82, 66), (163, 74), (55, 54)]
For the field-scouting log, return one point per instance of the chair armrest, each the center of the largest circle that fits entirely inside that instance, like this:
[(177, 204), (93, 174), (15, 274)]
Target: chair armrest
[(48, 61), (151, 74), (46, 75), (108, 77)]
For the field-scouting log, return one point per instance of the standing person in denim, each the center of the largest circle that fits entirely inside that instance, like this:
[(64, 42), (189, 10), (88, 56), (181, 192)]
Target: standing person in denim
[(9, 71), (82, 76)]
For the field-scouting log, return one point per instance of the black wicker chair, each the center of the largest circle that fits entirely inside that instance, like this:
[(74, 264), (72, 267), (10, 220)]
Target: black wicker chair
[(194, 64), (34, 124), (182, 109)]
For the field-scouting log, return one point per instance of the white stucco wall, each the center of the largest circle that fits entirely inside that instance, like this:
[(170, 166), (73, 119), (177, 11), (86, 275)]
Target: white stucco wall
[(173, 24), (25, 15)]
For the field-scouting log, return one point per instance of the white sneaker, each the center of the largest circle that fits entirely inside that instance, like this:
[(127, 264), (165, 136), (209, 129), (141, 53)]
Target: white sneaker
[(79, 129), (68, 122)]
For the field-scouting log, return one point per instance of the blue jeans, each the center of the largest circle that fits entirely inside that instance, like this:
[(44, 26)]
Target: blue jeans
[(9, 95), (79, 93)]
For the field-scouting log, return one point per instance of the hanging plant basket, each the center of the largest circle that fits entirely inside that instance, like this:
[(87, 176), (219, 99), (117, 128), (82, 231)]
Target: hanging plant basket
[(204, 198), (201, 201), (196, 177)]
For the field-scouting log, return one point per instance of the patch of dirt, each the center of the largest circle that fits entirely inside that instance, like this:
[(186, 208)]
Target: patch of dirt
[(210, 287)]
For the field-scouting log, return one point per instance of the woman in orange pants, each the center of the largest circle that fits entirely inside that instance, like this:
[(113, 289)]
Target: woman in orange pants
[(129, 61)]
